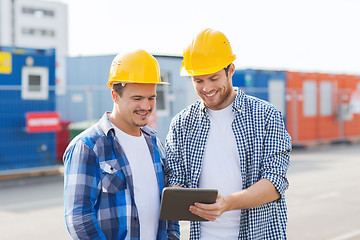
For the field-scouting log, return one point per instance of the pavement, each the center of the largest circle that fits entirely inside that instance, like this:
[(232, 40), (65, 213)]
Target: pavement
[(31, 172), (322, 199)]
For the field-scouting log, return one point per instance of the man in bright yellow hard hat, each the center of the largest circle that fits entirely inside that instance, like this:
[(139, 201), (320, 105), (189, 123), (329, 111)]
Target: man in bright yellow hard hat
[(113, 170), (232, 142)]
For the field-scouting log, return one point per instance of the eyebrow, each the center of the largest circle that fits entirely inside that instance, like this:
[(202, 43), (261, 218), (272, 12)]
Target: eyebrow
[(140, 96), (211, 77)]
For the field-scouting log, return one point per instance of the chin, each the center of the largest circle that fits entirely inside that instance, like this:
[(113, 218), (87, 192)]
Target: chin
[(141, 124), (211, 104)]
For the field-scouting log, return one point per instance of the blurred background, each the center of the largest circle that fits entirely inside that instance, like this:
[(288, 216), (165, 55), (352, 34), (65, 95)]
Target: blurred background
[(55, 56)]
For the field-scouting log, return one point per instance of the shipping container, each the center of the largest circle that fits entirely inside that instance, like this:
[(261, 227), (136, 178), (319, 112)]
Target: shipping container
[(349, 113), (28, 120), (317, 107), (264, 84), (312, 107)]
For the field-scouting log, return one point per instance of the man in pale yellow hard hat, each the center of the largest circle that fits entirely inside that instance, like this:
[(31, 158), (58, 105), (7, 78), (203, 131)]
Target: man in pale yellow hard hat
[(232, 142), (113, 170)]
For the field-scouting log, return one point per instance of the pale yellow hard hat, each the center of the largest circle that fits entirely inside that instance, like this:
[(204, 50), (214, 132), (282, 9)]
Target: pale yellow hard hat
[(134, 67), (209, 52)]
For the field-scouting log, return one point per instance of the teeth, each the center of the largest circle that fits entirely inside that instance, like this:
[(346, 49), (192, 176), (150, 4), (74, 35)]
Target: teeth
[(210, 95), (142, 113)]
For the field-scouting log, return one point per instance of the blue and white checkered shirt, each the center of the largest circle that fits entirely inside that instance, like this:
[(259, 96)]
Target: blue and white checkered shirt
[(263, 146), (99, 191)]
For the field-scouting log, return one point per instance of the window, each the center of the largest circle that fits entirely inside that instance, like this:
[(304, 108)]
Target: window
[(34, 83), (38, 12), (38, 32), (162, 96), (277, 94), (325, 99), (309, 98)]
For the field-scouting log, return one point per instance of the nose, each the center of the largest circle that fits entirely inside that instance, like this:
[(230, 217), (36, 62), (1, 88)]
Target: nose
[(145, 105), (207, 87)]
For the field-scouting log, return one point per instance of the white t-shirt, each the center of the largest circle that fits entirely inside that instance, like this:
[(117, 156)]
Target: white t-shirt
[(146, 189), (221, 170)]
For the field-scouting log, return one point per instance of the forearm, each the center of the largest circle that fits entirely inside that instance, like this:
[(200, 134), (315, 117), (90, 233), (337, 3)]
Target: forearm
[(258, 194)]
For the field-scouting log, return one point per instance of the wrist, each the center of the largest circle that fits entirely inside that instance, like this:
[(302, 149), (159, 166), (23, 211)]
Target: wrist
[(227, 203)]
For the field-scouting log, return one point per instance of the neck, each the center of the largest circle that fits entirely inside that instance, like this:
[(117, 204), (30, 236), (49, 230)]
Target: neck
[(126, 128), (230, 99)]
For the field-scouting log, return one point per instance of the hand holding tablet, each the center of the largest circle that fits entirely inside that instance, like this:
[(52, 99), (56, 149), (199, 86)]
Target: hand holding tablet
[(175, 202)]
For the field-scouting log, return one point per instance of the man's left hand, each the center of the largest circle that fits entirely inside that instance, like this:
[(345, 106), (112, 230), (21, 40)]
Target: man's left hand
[(209, 211)]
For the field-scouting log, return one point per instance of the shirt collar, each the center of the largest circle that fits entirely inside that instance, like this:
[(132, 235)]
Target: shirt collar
[(238, 103), (105, 124), (107, 127)]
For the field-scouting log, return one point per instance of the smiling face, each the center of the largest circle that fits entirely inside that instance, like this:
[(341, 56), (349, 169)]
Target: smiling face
[(216, 89), (133, 108)]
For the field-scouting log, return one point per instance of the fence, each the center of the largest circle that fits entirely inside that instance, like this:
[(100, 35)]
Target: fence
[(311, 116)]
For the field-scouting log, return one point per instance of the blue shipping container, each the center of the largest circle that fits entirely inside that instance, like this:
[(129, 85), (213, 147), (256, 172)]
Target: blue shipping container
[(265, 84), (27, 84)]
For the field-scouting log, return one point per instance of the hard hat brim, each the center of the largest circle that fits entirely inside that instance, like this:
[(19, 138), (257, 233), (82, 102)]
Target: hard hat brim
[(110, 83)]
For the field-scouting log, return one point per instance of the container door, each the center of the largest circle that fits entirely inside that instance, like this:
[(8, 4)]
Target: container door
[(328, 125), (302, 107)]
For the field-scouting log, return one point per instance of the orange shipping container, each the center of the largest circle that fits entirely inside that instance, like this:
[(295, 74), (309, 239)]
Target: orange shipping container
[(312, 102)]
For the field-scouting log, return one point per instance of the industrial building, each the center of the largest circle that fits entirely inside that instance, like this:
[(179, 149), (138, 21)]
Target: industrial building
[(37, 24)]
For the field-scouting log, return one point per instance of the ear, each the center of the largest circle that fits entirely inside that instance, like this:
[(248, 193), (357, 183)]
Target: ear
[(231, 70), (114, 95)]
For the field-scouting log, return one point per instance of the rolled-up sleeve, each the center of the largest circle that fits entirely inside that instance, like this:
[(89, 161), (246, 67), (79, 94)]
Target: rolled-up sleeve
[(80, 192), (276, 153)]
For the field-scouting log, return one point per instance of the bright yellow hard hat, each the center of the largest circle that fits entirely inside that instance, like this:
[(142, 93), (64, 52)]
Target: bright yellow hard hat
[(209, 52), (134, 67)]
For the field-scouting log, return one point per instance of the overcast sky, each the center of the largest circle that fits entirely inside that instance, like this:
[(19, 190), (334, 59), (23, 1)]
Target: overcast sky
[(299, 35)]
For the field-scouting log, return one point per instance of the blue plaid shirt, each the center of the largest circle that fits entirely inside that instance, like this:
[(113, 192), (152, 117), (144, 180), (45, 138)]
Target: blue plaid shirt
[(99, 191), (263, 146)]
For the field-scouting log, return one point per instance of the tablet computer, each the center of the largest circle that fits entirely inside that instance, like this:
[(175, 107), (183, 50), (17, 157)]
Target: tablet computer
[(175, 202)]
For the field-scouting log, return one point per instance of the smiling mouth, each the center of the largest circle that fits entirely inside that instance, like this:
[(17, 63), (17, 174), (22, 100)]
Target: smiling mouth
[(210, 94), (142, 113)]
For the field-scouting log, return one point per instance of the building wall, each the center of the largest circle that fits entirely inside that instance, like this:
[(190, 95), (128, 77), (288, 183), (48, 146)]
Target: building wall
[(5, 22), (179, 94), (37, 24), (87, 96)]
